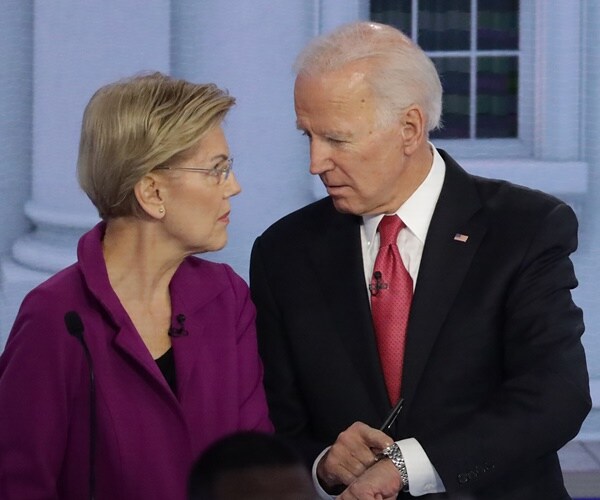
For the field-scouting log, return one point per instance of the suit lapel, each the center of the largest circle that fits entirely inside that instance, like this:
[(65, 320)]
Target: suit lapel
[(337, 257), (444, 264)]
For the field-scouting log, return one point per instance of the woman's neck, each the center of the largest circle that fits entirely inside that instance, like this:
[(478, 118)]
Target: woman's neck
[(140, 267)]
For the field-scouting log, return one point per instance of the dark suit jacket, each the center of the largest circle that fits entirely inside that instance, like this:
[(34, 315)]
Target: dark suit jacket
[(495, 378)]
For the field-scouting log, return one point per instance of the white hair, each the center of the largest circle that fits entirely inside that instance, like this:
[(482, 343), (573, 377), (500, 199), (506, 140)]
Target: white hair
[(402, 74)]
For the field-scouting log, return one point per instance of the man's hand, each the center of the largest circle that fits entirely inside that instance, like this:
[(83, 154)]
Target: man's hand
[(353, 452), (380, 482)]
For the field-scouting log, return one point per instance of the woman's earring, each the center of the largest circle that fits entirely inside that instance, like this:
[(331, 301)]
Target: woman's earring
[(161, 210)]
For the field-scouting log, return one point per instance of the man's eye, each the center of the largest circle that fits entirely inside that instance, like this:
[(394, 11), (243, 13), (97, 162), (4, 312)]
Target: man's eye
[(217, 169), (333, 140)]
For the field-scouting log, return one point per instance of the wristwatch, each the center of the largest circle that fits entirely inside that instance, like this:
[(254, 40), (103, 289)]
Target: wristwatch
[(395, 455)]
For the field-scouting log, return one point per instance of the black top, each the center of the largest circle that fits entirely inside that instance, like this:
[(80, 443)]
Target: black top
[(166, 364)]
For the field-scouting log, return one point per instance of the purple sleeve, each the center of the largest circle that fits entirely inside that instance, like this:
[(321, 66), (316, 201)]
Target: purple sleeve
[(37, 383), (254, 413)]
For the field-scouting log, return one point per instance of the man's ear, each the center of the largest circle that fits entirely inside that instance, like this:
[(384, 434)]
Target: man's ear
[(413, 129), (150, 194)]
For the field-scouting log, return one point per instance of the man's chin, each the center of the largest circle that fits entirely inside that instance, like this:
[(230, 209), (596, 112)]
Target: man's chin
[(342, 206)]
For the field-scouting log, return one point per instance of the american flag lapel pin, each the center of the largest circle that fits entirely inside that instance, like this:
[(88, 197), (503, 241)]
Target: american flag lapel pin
[(461, 237)]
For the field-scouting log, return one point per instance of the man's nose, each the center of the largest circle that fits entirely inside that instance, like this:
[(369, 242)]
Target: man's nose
[(320, 158)]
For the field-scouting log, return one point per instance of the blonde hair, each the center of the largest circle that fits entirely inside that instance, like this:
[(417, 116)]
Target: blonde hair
[(134, 125), (402, 74)]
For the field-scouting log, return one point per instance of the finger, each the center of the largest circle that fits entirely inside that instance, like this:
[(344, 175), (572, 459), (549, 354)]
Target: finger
[(359, 440), (335, 468), (354, 459), (352, 454), (341, 469), (348, 495), (371, 437)]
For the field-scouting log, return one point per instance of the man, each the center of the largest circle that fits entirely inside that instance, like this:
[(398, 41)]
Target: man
[(458, 303)]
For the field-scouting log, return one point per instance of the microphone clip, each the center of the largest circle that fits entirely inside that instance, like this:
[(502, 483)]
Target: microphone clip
[(377, 285), (180, 330)]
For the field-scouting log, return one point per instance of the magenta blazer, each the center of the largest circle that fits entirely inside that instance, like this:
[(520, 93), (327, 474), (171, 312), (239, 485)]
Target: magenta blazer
[(147, 436)]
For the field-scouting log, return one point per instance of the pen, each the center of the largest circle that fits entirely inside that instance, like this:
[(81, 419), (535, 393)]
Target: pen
[(391, 418)]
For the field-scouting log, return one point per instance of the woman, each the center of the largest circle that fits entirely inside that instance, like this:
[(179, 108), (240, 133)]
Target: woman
[(122, 368)]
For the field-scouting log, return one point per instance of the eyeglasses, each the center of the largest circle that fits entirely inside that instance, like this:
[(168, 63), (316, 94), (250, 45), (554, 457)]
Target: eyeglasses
[(220, 171)]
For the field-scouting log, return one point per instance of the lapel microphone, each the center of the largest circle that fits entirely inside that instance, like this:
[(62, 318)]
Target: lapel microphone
[(75, 327), (378, 285), (179, 331)]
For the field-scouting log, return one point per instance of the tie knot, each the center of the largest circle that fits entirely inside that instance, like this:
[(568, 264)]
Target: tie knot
[(389, 227)]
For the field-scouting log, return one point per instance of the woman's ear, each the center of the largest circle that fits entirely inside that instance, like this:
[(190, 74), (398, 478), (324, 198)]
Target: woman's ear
[(149, 192), (413, 129)]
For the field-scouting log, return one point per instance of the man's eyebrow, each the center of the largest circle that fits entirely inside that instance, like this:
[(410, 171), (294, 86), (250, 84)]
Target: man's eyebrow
[(331, 133)]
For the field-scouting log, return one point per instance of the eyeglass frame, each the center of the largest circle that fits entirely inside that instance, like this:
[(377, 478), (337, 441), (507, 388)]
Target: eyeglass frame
[(222, 173)]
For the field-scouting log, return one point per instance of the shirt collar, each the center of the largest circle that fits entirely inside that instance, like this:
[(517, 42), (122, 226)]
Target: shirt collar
[(417, 210)]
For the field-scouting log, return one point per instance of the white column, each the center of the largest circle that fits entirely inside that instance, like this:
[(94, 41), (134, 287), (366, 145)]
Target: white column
[(78, 46), (16, 42), (248, 47), (591, 126), (587, 259), (558, 80)]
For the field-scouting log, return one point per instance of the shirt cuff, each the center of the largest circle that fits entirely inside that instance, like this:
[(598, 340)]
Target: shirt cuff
[(320, 491), (422, 476)]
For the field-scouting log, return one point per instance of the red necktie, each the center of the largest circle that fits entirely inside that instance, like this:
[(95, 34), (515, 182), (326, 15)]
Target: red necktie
[(391, 296)]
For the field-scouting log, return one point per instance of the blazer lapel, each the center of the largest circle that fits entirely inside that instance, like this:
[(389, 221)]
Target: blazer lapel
[(337, 258), (455, 232), (193, 301)]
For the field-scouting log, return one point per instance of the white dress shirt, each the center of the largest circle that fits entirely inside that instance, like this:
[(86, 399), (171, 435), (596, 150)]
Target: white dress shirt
[(416, 213)]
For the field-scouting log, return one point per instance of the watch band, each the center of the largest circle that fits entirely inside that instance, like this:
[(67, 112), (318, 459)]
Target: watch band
[(395, 455)]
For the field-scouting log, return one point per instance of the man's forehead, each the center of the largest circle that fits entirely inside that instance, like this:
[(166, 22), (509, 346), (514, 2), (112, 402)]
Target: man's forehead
[(351, 75), (335, 90)]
